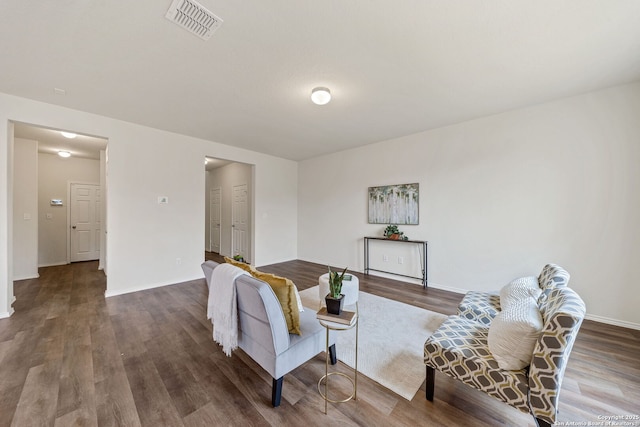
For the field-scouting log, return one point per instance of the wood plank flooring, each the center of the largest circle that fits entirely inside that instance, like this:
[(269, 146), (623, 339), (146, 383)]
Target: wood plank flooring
[(70, 357)]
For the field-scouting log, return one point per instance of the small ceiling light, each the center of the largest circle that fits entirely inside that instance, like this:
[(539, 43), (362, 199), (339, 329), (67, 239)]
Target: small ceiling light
[(69, 135), (64, 154), (320, 95)]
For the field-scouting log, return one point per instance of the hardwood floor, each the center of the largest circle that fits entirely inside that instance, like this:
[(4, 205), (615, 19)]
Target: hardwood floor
[(70, 357)]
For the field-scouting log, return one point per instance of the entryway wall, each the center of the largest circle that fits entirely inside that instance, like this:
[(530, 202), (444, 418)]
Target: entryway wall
[(226, 178), (54, 174)]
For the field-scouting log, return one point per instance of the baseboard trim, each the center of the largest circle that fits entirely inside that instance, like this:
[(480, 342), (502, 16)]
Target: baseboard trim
[(110, 293), (26, 277), (6, 314), (614, 322), (53, 265)]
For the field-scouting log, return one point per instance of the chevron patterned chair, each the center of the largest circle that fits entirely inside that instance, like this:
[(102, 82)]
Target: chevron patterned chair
[(460, 349)]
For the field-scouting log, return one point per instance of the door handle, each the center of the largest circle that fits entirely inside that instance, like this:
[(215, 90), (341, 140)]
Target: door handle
[(74, 227)]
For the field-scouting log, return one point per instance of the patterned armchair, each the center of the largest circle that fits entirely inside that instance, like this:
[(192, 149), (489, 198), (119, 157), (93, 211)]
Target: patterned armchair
[(459, 348)]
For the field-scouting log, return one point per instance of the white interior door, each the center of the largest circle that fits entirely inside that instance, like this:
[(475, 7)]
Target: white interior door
[(240, 220), (85, 222), (215, 207)]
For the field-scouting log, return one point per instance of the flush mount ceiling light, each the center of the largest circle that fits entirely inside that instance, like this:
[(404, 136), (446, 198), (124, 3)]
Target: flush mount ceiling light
[(69, 135), (64, 154), (320, 95)]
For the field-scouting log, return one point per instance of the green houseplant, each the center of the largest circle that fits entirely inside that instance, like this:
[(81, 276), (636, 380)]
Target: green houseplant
[(392, 232), (335, 299)]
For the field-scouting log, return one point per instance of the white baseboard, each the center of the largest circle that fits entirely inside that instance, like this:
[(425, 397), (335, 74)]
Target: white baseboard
[(6, 314), (614, 322), (110, 293), (26, 277), (53, 265), (448, 288)]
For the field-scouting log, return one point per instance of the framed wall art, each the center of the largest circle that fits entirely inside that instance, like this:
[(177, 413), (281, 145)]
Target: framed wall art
[(394, 204)]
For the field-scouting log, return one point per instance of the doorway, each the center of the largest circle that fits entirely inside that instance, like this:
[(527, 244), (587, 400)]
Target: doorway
[(50, 219), (84, 219), (229, 201)]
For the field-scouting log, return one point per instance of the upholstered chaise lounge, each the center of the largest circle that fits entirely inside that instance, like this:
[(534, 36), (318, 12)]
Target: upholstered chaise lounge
[(263, 332), (460, 348)]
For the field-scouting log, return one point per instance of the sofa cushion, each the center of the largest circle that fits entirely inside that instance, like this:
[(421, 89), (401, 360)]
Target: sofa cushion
[(515, 330), (285, 292), (480, 306)]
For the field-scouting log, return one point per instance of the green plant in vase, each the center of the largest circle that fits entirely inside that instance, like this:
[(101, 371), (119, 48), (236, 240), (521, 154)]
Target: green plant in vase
[(335, 299), (393, 232)]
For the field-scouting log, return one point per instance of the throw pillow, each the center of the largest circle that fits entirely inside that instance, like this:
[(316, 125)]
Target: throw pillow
[(243, 265), (285, 292), (251, 270), (515, 330), (518, 290)]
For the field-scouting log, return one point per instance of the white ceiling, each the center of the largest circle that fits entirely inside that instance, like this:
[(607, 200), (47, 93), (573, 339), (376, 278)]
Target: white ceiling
[(51, 141), (394, 68)]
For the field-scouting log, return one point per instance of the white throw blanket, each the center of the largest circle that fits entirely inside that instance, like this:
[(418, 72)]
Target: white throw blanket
[(222, 306)]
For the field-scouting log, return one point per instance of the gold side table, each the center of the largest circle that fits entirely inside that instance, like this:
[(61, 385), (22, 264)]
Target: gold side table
[(323, 390)]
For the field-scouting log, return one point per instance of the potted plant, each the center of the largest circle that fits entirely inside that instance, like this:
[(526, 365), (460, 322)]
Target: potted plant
[(335, 298), (392, 232)]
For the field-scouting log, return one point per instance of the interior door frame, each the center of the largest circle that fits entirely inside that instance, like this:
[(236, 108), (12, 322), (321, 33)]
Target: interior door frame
[(210, 220), (69, 184), (247, 220)]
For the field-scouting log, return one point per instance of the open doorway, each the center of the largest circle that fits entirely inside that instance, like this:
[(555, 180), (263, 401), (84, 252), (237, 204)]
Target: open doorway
[(52, 173), (229, 209)]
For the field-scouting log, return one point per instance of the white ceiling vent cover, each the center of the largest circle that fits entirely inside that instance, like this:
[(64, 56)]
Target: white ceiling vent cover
[(194, 18)]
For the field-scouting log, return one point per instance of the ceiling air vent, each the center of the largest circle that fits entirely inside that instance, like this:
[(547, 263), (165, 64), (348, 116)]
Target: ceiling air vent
[(194, 18)]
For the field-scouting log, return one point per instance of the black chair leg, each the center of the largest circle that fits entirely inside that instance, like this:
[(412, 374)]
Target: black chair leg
[(333, 358), (431, 376), (541, 423), (276, 392)]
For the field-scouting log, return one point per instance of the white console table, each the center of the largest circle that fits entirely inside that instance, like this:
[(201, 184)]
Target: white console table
[(423, 261)]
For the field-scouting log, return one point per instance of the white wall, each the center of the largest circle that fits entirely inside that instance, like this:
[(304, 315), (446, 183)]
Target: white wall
[(144, 237), (25, 209), (54, 174), (226, 178), (500, 197)]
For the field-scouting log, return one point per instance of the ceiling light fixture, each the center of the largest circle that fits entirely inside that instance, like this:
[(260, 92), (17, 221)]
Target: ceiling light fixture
[(64, 154), (69, 135), (320, 95)]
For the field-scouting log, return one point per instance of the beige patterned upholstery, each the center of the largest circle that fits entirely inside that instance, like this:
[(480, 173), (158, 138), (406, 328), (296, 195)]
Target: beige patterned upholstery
[(459, 349), (480, 306), (553, 276), (484, 306)]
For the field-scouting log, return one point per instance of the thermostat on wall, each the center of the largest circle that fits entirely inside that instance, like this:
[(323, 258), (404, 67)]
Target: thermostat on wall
[(56, 202)]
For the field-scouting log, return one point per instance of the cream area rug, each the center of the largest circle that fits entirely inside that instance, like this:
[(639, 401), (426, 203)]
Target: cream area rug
[(391, 340)]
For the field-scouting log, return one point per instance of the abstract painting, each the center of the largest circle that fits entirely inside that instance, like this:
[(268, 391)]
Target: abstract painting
[(394, 204)]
